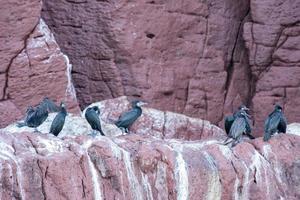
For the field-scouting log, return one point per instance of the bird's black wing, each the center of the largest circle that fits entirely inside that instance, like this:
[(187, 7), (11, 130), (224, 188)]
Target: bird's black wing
[(93, 119), (248, 128), (238, 128), (50, 105), (127, 118), (271, 125), (58, 123), (228, 123), (282, 124)]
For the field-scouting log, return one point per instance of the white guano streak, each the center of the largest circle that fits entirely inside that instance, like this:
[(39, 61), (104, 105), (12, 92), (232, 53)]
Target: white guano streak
[(181, 172), (95, 176), (49, 37), (214, 185), (6, 154), (147, 186), (132, 179), (70, 87)]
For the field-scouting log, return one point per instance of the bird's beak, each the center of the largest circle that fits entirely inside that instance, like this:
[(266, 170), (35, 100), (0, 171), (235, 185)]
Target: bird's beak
[(246, 108), (142, 103)]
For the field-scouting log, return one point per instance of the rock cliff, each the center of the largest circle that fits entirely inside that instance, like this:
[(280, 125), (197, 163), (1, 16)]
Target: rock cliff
[(199, 58), (155, 161)]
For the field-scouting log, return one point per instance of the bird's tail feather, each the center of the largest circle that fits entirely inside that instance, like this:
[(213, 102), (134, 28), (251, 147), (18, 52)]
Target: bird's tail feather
[(250, 136), (21, 124), (234, 143), (267, 136), (227, 141)]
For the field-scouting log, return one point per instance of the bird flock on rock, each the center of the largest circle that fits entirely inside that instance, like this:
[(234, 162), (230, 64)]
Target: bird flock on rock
[(236, 126), (35, 116)]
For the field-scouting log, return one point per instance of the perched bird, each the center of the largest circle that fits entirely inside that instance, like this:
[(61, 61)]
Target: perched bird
[(239, 127), (50, 105), (128, 118), (59, 120), (230, 119), (36, 116), (92, 116), (276, 122)]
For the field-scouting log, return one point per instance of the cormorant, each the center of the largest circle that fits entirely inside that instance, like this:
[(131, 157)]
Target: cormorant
[(239, 127), (92, 116), (128, 118), (230, 119), (59, 120), (36, 116), (51, 106), (276, 122)]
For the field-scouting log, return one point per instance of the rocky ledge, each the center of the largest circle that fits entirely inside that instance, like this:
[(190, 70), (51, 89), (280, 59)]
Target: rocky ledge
[(167, 156)]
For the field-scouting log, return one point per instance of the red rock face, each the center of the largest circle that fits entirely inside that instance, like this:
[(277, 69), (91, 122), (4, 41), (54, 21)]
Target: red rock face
[(202, 59), (178, 55), (273, 41), (32, 65), (36, 166)]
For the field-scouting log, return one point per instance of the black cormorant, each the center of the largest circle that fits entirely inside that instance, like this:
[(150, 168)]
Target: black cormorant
[(276, 122), (239, 127), (128, 118), (230, 119), (51, 106), (92, 116), (59, 121), (36, 116)]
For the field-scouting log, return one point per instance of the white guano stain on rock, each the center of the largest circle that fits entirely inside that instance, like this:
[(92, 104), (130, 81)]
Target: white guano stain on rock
[(7, 153), (214, 186), (180, 171), (94, 173), (132, 179), (70, 87), (267, 152), (147, 186)]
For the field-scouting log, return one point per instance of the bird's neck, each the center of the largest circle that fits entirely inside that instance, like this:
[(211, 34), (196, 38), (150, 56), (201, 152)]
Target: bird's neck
[(138, 109), (63, 110)]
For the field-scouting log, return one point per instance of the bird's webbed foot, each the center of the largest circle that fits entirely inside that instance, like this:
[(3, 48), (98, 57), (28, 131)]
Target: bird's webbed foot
[(227, 141), (93, 134), (36, 130)]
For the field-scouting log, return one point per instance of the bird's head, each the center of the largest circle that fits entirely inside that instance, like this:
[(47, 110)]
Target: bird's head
[(29, 109), (243, 107), (138, 103), (96, 109), (244, 114), (62, 104), (278, 107)]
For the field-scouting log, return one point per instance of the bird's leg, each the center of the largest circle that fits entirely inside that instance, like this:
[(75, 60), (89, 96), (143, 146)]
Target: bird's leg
[(92, 133), (126, 130), (95, 133), (238, 140), (234, 143), (226, 141), (122, 129), (36, 130)]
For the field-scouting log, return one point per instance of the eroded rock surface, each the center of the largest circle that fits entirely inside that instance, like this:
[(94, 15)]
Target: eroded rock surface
[(179, 55), (200, 58), (32, 65), (273, 41), (166, 156), (36, 166), (152, 122)]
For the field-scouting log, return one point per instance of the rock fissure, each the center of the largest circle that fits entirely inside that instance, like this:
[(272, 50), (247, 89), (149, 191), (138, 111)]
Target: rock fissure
[(42, 180), (230, 68), (5, 95)]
